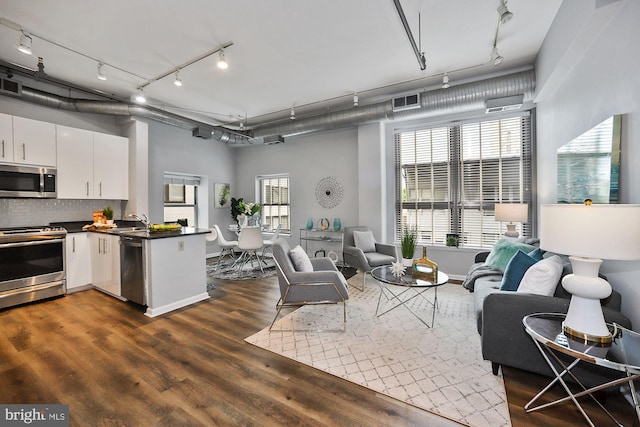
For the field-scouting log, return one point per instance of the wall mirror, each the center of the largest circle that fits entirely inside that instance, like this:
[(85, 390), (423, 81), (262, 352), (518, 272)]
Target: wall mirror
[(589, 166)]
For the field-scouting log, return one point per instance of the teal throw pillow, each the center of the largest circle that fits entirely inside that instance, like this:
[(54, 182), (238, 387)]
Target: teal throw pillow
[(517, 266), (536, 254), (503, 251)]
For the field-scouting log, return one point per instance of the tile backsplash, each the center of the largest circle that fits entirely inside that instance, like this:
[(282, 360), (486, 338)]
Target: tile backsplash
[(32, 212)]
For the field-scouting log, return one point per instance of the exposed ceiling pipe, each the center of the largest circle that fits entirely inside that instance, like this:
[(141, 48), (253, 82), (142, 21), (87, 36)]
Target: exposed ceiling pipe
[(465, 97)]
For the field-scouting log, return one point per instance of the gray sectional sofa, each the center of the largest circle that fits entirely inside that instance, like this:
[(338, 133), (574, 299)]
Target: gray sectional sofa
[(499, 320)]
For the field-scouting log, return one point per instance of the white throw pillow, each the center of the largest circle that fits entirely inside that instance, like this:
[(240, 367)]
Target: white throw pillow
[(300, 260), (542, 277), (364, 240)]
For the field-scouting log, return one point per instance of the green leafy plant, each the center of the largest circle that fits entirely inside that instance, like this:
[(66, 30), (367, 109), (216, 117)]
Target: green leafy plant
[(108, 213), (235, 208), (408, 243)]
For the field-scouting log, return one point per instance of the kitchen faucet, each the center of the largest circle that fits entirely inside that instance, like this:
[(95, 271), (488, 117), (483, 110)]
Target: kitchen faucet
[(144, 220)]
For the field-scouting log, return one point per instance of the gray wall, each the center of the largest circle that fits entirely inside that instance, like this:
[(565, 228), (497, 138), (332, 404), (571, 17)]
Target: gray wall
[(602, 80), (172, 149), (306, 159)]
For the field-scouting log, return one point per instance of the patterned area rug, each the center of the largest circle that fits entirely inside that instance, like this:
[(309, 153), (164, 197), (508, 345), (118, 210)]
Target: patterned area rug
[(438, 369)]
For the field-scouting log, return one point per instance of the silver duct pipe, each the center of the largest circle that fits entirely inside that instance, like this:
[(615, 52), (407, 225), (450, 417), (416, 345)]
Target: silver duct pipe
[(466, 97)]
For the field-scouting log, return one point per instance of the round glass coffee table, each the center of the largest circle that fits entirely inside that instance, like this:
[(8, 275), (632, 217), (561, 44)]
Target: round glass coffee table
[(401, 290)]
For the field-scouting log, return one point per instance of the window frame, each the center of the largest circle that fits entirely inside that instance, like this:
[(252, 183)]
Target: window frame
[(449, 208), (260, 199)]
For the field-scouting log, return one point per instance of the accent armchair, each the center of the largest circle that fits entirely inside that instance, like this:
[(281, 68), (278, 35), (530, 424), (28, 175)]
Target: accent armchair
[(319, 283), (361, 251)]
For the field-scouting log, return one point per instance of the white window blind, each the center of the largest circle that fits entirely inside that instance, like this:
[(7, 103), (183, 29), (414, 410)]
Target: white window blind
[(276, 202), (449, 178)]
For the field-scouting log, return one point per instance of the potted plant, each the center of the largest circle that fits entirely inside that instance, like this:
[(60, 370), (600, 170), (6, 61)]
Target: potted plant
[(108, 214), (408, 246)]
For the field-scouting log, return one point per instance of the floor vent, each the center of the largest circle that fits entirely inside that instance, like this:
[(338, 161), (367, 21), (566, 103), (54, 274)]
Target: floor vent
[(10, 87), (408, 102)]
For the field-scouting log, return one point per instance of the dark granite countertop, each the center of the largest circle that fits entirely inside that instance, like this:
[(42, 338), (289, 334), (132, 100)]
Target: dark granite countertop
[(76, 227)]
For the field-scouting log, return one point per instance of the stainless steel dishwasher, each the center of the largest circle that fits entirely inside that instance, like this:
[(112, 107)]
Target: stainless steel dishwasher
[(132, 269)]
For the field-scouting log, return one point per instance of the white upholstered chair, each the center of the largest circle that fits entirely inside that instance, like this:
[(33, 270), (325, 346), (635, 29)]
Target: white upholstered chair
[(269, 242)]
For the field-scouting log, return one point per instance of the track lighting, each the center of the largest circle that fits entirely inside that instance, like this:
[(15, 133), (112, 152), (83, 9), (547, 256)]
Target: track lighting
[(293, 114), (495, 57), (222, 61), (178, 80), (140, 96), (101, 75), (503, 12), (355, 99), (25, 43), (445, 81)]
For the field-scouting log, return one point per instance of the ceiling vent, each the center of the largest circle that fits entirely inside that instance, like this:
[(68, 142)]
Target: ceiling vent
[(408, 102), (508, 103), (202, 131), (10, 87), (273, 139)]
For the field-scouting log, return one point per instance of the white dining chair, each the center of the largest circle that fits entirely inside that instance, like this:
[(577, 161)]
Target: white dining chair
[(226, 246), (269, 242), (249, 242)]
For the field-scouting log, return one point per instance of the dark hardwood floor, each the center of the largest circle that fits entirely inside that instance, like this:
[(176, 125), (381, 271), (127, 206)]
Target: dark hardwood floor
[(116, 367)]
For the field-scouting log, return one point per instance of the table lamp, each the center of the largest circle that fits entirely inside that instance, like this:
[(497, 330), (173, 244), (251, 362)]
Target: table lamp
[(512, 212), (589, 233)]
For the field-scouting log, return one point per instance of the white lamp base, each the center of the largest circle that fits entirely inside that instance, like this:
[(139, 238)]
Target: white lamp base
[(511, 230), (585, 320)]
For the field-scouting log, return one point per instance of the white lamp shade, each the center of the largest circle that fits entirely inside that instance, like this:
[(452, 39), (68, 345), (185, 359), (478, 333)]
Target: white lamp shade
[(512, 212), (595, 231)]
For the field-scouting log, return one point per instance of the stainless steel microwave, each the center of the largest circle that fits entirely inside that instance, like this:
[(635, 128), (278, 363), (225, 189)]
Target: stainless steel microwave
[(27, 181)]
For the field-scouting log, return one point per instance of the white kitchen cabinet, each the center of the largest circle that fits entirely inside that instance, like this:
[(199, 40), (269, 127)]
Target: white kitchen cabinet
[(6, 138), (75, 163), (92, 165), (78, 260), (34, 142), (110, 167), (105, 262)]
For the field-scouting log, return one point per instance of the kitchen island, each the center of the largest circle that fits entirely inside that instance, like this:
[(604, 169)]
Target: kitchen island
[(174, 267)]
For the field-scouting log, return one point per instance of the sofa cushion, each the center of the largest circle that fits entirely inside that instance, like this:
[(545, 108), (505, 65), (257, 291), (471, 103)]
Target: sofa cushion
[(365, 241), (516, 268), (484, 286), (542, 278), (503, 251)]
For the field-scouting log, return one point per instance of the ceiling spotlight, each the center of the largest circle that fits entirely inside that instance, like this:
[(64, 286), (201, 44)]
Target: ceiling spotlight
[(293, 114), (140, 96), (178, 80), (25, 43), (101, 75), (355, 99), (503, 12), (241, 125), (445, 81), (495, 57), (222, 62)]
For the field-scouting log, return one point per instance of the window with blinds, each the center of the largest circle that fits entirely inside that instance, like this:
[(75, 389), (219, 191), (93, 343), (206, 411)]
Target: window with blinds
[(275, 201), (449, 178)]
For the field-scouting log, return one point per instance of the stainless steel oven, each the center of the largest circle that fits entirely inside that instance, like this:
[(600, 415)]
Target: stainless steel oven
[(32, 264)]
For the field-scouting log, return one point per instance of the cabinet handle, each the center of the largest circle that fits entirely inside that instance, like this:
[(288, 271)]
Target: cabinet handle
[(100, 189), (87, 188), (73, 244), (3, 148), (24, 151)]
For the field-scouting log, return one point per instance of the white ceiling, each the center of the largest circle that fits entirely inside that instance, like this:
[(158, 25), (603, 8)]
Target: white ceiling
[(311, 55)]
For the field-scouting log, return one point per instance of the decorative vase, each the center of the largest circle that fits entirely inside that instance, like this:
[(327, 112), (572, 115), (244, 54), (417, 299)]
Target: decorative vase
[(309, 223), (407, 262), (337, 225), (424, 268), (252, 220)]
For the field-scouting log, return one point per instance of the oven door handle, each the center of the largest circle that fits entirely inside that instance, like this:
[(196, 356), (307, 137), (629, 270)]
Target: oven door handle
[(30, 289), (30, 243)]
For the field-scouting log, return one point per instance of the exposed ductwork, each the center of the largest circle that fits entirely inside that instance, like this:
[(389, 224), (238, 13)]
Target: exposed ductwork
[(465, 97)]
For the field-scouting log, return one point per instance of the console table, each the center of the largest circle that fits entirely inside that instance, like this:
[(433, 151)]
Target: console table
[(333, 238), (623, 355)]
